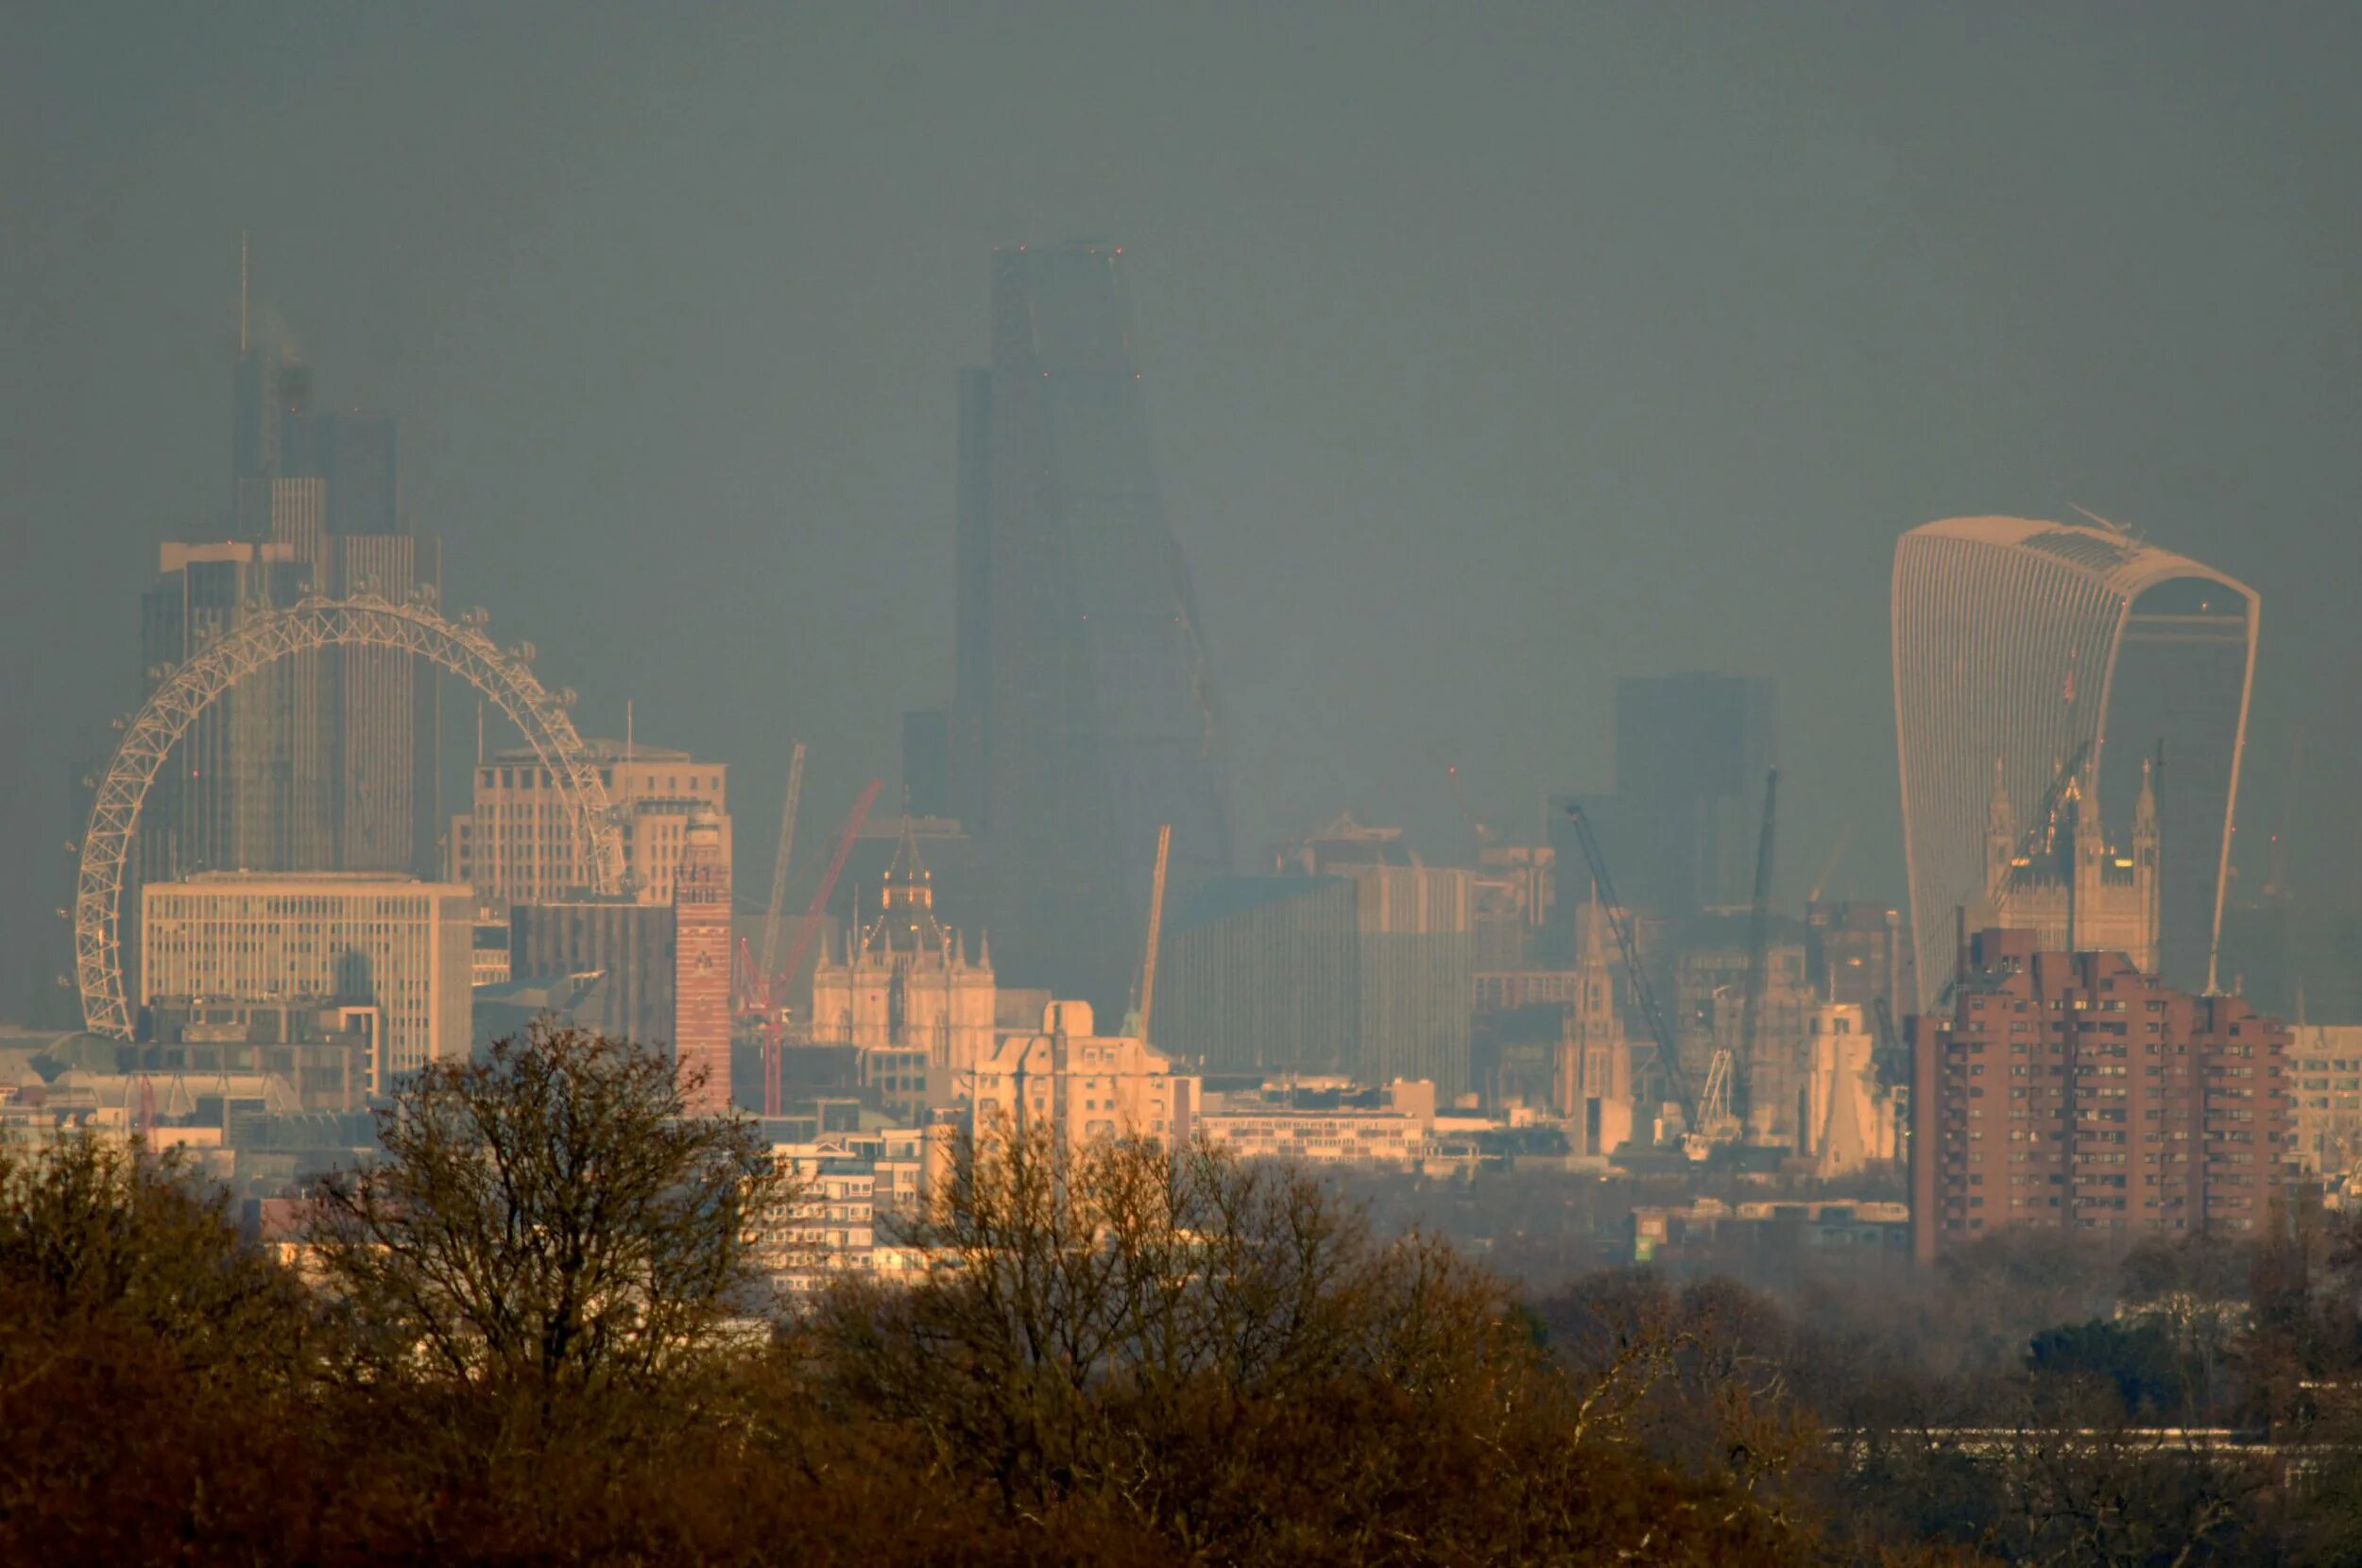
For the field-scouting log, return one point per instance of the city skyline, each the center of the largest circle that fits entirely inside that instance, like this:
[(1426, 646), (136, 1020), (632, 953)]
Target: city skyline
[(1670, 418)]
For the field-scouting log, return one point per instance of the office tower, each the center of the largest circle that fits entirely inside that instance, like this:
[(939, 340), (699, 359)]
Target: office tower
[(701, 966), (1691, 751), (2054, 648), (927, 764), (2325, 1107), (191, 821), (396, 943), (1262, 974), (1357, 960), (2069, 1091), (628, 947), (361, 761), (519, 843), (1084, 710)]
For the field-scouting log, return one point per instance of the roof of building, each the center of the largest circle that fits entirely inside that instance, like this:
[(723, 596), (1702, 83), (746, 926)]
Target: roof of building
[(604, 749), (2110, 553)]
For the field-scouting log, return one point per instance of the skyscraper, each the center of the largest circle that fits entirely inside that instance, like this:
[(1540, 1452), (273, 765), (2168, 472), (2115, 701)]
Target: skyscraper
[(1691, 751), (1085, 711), (2031, 644), (327, 759)]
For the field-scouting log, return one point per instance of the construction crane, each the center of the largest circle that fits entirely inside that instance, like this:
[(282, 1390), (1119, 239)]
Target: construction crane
[(1156, 926), (2039, 824), (810, 929), (1893, 1063), (780, 861), (1828, 867), (1758, 946), (1668, 1065)]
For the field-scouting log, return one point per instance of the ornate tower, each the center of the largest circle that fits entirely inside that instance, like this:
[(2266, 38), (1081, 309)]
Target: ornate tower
[(906, 981)]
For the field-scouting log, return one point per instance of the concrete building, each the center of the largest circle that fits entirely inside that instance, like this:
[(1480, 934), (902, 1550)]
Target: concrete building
[(1417, 973), (619, 955), (1774, 1237), (904, 982), (1679, 830), (1263, 973), (395, 943), (701, 966), (520, 845), (1085, 714), (1336, 1125), (1355, 959), (2036, 642), (1851, 1119), (2325, 1100), (1511, 899), (326, 1052), (1085, 1085), (2073, 1092), (856, 1190)]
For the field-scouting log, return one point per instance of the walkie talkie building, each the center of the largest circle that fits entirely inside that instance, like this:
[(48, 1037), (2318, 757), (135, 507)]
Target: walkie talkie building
[(2017, 643)]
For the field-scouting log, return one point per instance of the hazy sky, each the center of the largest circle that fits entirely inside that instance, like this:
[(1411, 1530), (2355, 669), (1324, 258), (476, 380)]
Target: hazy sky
[(1493, 353)]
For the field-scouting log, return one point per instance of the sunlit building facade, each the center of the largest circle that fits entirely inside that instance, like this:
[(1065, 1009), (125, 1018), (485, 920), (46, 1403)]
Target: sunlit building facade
[(2028, 645), (398, 944)]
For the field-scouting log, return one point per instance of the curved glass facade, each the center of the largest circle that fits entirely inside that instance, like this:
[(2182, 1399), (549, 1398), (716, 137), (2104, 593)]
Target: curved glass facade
[(2017, 641)]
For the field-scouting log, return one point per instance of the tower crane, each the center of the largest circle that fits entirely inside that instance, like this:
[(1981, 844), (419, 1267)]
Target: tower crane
[(1156, 928), (2039, 824), (808, 928), (1668, 1065), (780, 861), (1758, 944)]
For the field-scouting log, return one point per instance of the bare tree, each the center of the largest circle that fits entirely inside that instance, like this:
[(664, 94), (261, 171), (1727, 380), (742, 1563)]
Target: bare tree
[(550, 1218)]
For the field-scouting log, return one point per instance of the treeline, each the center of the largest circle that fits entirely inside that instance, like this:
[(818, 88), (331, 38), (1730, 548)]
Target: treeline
[(538, 1331)]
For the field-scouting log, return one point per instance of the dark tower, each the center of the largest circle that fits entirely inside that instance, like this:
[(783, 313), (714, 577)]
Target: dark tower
[(1085, 713)]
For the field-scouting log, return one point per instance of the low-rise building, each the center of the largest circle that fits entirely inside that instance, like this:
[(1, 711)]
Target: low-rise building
[(1085, 1084), (1324, 1125), (850, 1194), (1712, 1234), (401, 945), (2325, 1099)]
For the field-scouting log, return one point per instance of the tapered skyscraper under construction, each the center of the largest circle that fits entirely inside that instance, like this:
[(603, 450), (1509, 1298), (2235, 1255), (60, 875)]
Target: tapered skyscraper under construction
[(2032, 648), (1084, 716)]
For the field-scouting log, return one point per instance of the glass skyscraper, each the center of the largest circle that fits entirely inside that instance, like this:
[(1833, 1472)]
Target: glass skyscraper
[(2017, 644), (1085, 714)]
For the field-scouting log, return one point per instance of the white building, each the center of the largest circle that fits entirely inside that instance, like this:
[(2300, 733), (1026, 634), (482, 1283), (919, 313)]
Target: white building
[(1850, 1120), (401, 945), (1394, 1132), (1085, 1084), (520, 844), (848, 1190)]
